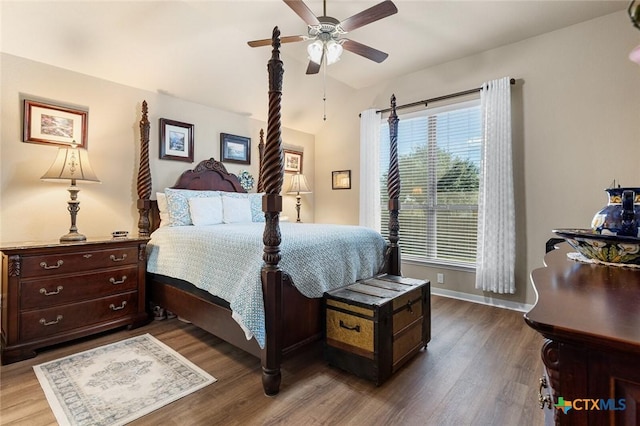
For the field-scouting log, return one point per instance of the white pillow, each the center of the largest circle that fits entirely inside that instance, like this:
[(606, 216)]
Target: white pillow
[(236, 210), (205, 211), (256, 203), (163, 209)]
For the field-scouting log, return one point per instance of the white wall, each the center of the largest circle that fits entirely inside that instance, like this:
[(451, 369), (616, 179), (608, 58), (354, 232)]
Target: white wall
[(576, 108), (34, 210)]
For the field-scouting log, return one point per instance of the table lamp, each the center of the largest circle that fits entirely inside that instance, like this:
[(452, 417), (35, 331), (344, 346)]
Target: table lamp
[(72, 163), (298, 186)]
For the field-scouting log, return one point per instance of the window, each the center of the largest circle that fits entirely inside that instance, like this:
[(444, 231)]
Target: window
[(439, 155)]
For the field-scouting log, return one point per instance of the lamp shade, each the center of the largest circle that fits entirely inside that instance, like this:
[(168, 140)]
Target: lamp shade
[(334, 50), (315, 51), (71, 163), (299, 185)]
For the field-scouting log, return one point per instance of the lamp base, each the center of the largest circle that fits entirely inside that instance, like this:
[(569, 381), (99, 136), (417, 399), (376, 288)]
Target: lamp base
[(298, 204), (72, 237)]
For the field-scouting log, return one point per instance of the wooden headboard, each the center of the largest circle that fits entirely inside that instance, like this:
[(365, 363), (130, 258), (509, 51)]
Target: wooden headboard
[(209, 175)]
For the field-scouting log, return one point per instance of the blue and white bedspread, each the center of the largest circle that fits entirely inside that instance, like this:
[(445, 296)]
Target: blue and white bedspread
[(226, 260)]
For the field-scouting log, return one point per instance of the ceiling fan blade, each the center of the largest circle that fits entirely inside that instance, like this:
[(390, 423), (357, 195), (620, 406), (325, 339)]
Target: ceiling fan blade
[(313, 68), (303, 11), (367, 16), (267, 41), (364, 50)]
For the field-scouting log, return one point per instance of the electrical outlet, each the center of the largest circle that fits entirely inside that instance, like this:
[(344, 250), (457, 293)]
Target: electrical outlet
[(440, 278)]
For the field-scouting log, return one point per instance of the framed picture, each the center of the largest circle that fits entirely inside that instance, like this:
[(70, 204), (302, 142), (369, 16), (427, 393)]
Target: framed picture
[(59, 125), (292, 161), (176, 140), (341, 179), (235, 149)]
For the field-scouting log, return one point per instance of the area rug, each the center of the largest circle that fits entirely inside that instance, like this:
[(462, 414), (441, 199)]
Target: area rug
[(118, 383)]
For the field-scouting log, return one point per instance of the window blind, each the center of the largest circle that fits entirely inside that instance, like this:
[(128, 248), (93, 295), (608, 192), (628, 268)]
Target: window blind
[(439, 155)]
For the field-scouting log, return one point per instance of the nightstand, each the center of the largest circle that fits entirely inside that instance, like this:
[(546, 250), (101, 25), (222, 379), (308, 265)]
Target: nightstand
[(55, 292)]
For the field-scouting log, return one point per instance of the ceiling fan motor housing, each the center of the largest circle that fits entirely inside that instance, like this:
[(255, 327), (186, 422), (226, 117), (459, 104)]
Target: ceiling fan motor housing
[(328, 29)]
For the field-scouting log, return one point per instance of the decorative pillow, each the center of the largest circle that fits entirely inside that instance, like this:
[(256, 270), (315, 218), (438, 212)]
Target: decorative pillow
[(163, 209), (257, 215), (205, 210), (178, 204), (236, 210)]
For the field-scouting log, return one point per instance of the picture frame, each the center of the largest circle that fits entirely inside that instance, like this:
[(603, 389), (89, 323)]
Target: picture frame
[(292, 161), (235, 149), (176, 140), (54, 124), (341, 179)]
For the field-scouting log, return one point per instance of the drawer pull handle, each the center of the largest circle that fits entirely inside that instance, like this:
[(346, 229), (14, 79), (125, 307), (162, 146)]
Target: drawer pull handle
[(87, 256), (546, 399), (56, 266), (115, 282), (117, 308), (51, 293), (355, 328), (45, 323), (118, 259), (409, 308)]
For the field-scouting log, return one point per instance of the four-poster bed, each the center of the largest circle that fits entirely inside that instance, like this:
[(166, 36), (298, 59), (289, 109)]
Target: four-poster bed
[(291, 319)]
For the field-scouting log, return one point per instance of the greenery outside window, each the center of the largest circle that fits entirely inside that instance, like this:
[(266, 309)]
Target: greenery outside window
[(440, 154)]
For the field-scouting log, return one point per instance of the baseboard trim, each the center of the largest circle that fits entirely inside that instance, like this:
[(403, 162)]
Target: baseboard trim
[(483, 300)]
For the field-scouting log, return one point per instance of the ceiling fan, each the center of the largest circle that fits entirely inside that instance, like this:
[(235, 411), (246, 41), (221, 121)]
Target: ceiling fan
[(326, 33)]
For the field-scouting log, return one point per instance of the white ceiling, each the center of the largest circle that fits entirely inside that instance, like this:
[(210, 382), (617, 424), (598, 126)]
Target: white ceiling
[(197, 50)]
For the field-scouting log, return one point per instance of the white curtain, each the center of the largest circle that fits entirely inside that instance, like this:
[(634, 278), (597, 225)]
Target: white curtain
[(370, 169), (496, 211)]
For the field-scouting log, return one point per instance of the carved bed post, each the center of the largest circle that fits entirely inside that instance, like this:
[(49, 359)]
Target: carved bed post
[(144, 176), (260, 187), (393, 188), (272, 172)]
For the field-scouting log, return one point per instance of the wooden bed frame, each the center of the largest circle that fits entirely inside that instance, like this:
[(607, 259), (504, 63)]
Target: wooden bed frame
[(291, 319)]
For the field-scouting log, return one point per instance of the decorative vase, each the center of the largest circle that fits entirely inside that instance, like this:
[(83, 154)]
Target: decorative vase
[(621, 215)]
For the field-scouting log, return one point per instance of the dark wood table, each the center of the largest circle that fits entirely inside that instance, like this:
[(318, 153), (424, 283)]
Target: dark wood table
[(590, 317)]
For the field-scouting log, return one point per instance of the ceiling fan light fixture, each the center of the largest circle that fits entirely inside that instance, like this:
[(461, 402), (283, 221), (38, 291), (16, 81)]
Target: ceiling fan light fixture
[(334, 50), (634, 14), (315, 50), (635, 55)]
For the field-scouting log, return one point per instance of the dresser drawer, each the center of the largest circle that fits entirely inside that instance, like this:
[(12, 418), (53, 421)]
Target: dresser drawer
[(45, 322), (45, 292), (81, 260)]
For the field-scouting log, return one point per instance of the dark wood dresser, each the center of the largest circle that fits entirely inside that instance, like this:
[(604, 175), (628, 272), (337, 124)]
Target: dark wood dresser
[(55, 292), (374, 326), (589, 316)]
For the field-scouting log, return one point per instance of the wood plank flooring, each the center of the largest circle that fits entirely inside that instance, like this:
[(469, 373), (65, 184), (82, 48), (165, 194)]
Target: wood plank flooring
[(480, 368)]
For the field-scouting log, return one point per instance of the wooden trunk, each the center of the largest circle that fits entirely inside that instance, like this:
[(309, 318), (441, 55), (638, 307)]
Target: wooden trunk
[(373, 327)]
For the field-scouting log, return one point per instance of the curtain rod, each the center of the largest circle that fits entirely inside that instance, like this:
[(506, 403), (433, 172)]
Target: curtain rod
[(439, 98)]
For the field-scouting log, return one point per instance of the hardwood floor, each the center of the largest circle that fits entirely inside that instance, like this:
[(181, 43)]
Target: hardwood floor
[(480, 368)]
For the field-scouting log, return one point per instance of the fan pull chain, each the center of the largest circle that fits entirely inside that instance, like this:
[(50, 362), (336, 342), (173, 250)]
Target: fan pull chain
[(324, 90)]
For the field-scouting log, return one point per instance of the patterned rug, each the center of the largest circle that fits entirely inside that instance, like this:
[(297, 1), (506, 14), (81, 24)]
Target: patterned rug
[(118, 383)]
